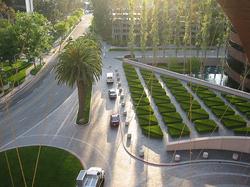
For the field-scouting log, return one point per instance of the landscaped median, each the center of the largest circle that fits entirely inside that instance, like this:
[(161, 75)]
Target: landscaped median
[(171, 118), (225, 114), (54, 167), (145, 114), (191, 107)]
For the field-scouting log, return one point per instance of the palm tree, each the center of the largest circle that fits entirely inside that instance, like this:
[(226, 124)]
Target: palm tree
[(81, 64)]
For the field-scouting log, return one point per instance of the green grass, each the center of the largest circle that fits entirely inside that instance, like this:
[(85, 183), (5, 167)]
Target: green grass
[(206, 126), (144, 110), (243, 107), (235, 99), (56, 167)]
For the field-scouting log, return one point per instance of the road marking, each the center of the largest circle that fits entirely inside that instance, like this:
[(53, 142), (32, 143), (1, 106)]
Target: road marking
[(22, 119), (19, 101)]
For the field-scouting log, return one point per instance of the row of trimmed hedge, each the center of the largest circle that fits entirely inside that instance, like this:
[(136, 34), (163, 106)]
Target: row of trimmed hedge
[(145, 114), (223, 112), (191, 107), (241, 104), (171, 118)]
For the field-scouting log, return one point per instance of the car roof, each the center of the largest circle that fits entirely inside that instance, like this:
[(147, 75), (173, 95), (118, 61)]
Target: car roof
[(112, 90), (114, 115)]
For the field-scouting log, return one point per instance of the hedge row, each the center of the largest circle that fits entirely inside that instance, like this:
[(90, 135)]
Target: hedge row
[(194, 112), (171, 118), (241, 104), (244, 131), (222, 111), (145, 114)]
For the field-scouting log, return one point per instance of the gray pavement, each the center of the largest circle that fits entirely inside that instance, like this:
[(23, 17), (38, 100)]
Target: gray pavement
[(30, 123)]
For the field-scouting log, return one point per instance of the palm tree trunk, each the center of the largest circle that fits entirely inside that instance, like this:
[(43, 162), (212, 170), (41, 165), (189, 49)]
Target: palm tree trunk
[(81, 87)]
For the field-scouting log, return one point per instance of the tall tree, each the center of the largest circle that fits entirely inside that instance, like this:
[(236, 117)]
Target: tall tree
[(33, 34), (131, 35), (144, 28), (155, 31), (80, 64)]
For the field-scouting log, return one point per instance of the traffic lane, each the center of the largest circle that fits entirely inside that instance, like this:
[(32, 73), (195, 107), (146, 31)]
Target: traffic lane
[(214, 174)]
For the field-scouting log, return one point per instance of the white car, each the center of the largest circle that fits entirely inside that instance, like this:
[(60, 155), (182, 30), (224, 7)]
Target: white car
[(112, 94), (110, 78)]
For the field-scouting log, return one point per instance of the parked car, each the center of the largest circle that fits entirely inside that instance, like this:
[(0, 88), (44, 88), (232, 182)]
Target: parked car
[(93, 177), (114, 120), (112, 94)]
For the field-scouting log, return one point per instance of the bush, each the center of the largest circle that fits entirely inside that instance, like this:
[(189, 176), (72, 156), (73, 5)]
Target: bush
[(185, 105), (145, 120), (152, 131), (35, 70), (244, 131), (243, 107), (169, 118), (183, 97), (233, 121), (164, 100), (223, 110), (141, 101), (18, 78), (166, 108), (206, 126), (205, 94), (235, 99), (215, 101), (144, 110), (197, 114), (178, 130)]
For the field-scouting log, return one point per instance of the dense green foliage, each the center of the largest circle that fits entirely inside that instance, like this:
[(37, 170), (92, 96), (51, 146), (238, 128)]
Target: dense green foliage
[(56, 167), (145, 114)]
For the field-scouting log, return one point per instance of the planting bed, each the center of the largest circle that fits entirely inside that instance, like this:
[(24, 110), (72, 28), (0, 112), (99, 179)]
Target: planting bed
[(191, 107), (145, 114), (223, 112), (171, 118)]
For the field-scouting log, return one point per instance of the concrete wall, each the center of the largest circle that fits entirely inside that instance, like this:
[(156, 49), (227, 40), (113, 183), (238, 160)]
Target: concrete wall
[(231, 143)]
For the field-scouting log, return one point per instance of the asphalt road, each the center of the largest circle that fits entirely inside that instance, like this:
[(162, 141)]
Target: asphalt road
[(43, 98), (47, 117)]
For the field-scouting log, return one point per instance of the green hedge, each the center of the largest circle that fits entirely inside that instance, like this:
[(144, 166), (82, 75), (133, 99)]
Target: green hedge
[(223, 110), (35, 70), (173, 117), (235, 99), (244, 131), (206, 126), (243, 107), (145, 120), (205, 94), (178, 130), (18, 78), (152, 131), (197, 114), (185, 105), (233, 121), (166, 108), (215, 101), (144, 110)]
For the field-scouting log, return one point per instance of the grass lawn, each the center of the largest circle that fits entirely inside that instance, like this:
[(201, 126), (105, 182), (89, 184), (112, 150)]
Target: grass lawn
[(56, 167)]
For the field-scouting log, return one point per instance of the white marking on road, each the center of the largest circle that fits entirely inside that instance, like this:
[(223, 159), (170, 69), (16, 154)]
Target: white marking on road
[(22, 119), (40, 122), (51, 70), (19, 101)]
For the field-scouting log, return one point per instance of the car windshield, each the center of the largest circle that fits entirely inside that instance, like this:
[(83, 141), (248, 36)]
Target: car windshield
[(115, 117), (112, 91)]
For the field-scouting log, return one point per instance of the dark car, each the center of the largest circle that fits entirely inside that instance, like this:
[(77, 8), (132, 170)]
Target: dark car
[(112, 94), (114, 120)]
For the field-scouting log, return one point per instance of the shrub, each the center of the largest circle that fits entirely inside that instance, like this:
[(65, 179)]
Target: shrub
[(166, 108), (169, 118), (144, 110), (145, 120), (235, 99), (141, 101), (161, 100), (243, 107), (177, 130), (206, 126), (205, 94), (245, 131), (183, 97), (185, 105), (233, 121), (215, 101), (197, 114), (152, 131), (223, 110), (18, 78), (35, 70)]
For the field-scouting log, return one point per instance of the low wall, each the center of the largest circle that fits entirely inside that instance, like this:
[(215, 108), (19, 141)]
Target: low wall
[(230, 143)]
